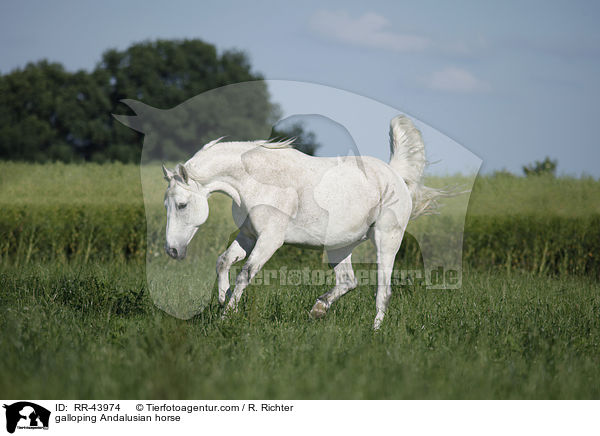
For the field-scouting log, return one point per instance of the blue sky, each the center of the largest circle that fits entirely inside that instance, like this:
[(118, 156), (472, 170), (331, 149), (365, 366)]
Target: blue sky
[(511, 81)]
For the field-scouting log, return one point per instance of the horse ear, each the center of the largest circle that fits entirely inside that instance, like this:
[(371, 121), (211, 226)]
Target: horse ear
[(168, 174), (183, 172), (138, 107), (132, 122), (145, 116)]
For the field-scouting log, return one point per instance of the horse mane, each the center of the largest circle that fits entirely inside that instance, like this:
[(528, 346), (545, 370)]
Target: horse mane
[(273, 143)]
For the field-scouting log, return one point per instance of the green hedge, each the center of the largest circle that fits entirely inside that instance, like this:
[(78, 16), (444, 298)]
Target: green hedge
[(538, 244), (65, 233)]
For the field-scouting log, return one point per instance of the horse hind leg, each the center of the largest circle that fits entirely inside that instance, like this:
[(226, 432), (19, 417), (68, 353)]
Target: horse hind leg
[(387, 237), (344, 282)]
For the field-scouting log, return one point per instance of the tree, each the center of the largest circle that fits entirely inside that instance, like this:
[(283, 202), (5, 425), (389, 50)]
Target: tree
[(546, 167), (47, 113)]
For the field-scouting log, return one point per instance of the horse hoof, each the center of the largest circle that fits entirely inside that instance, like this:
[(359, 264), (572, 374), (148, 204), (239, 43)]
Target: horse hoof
[(378, 320), (319, 310)]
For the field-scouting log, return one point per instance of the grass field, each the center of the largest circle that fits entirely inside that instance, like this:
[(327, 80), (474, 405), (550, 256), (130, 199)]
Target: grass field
[(92, 332), (93, 184), (87, 327)]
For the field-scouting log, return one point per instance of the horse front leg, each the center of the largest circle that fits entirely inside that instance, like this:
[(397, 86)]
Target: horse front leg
[(238, 250), (344, 281), (266, 245)]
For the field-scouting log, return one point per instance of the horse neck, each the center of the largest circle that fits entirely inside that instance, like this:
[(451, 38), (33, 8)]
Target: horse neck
[(219, 170)]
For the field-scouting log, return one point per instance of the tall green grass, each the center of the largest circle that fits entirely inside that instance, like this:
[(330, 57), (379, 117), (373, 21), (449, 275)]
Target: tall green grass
[(116, 183), (95, 213)]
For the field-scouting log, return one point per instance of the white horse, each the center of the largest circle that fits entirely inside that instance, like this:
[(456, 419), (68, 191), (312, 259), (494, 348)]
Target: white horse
[(281, 195)]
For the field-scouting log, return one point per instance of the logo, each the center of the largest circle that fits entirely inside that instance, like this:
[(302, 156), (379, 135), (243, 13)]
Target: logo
[(26, 415), (351, 124)]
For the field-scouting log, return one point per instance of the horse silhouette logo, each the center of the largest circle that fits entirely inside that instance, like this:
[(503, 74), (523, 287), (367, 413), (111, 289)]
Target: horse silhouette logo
[(27, 415), (331, 191)]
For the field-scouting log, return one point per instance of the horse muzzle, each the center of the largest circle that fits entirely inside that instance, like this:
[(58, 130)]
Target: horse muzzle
[(175, 253)]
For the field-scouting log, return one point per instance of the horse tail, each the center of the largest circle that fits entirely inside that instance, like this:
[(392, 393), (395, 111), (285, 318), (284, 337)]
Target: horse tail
[(408, 161)]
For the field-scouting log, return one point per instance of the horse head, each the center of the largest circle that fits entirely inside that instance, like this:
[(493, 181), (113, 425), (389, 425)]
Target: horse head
[(186, 202)]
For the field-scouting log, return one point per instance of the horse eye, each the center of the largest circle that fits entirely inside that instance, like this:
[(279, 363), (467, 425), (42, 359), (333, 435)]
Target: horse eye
[(181, 206)]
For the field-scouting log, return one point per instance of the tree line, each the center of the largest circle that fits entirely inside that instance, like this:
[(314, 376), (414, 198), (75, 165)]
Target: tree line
[(50, 114)]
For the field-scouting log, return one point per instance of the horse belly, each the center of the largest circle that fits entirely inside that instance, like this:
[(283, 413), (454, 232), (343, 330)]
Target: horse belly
[(337, 211)]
